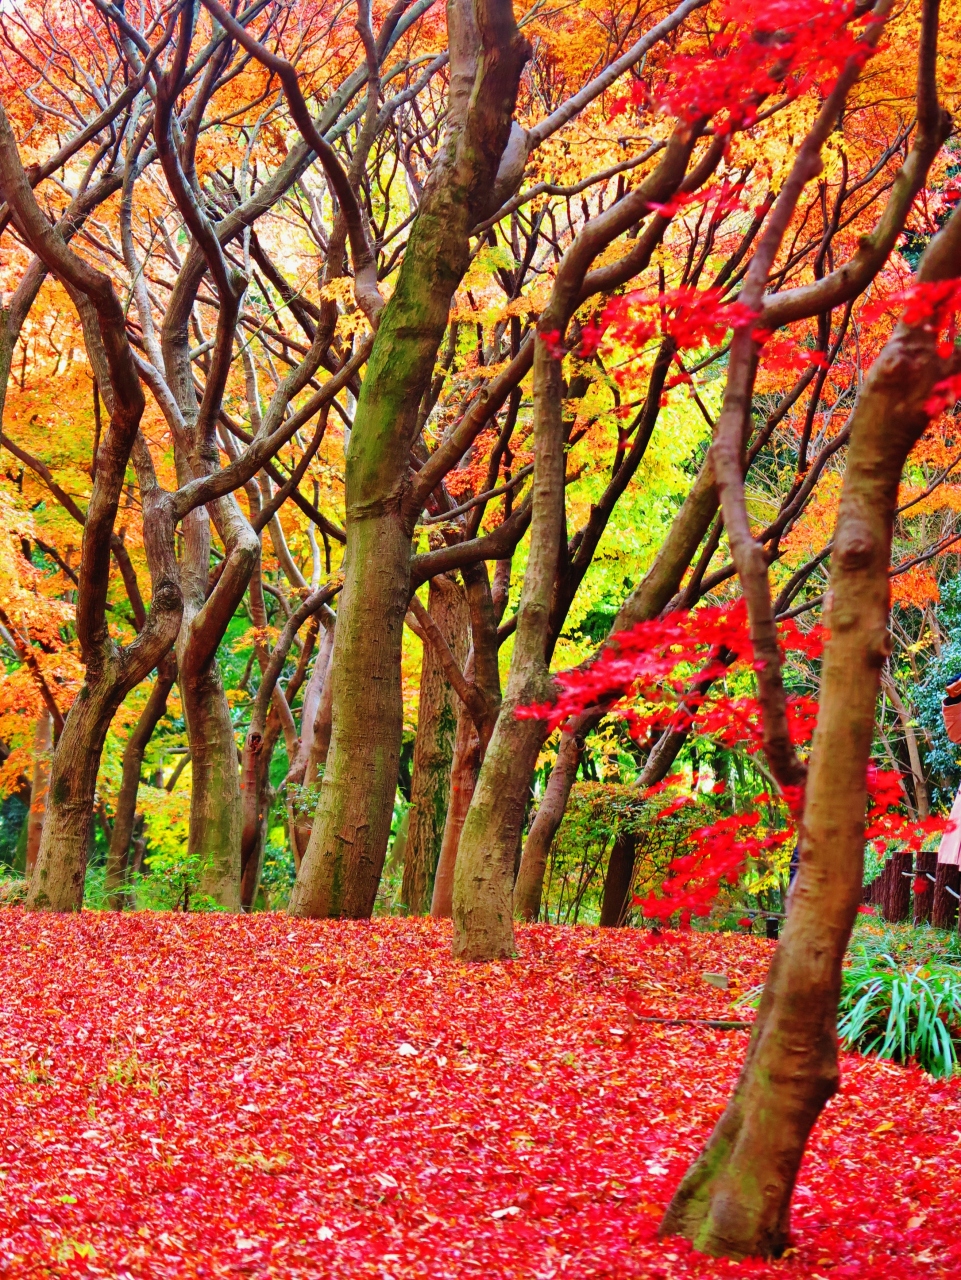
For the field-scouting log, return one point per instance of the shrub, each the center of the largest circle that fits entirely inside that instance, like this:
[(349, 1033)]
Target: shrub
[(905, 1013)]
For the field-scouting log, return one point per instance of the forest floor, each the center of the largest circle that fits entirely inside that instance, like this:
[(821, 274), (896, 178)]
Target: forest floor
[(186, 1096)]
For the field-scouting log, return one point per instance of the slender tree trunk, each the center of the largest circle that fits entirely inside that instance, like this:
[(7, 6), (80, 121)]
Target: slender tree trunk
[(476, 717), (465, 766), (215, 817), (618, 881), (303, 770), (323, 727), (433, 750), (547, 821), (252, 853), (735, 1200), (39, 788), (125, 813), (486, 861)]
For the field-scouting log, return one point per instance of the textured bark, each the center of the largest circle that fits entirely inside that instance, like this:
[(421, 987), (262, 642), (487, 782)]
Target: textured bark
[(616, 901), (215, 803), (125, 812), (735, 1200), (897, 902), (344, 859), (486, 860), (345, 855), (110, 671), (477, 714), (257, 781), (434, 746), (465, 766), (39, 788), (547, 821), (306, 763), (215, 816)]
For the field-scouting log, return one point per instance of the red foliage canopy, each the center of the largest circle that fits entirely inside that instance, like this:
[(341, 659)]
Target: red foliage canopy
[(638, 672)]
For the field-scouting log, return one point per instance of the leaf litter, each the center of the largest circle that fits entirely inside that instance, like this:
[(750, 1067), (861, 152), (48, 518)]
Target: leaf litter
[(207, 1096)]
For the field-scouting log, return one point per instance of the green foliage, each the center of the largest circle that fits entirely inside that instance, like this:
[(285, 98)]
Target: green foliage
[(388, 902), (900, 995), (171, 878), (905, 1013), (13, 821), (596, 814), (943, 758)]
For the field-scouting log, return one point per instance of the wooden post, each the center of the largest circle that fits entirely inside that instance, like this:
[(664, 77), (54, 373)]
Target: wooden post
[(944, 907), (925, 865), (897, 898)]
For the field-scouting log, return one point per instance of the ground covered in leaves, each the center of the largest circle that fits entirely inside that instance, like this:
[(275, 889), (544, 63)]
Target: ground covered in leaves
[(185, 1096)]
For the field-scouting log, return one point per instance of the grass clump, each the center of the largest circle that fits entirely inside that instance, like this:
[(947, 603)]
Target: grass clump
[(903, 1001)]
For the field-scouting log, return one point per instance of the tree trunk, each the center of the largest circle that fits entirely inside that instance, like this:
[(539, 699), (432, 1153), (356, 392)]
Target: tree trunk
[(550, 814), (58, 879), (39, 788), (216, 819), (465, 767), (897, 903), (314, 726), (125, 812), (345, 856), (252, 857), (617, 883), (486, 860), (434, 747), (735, 1200)]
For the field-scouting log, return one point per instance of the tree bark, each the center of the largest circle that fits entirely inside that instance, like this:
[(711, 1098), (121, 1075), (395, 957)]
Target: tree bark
[(547, 821), (215, 802), (926, 863), (735, 1200), (125, 813), (345, 856), (618, 881), (897, 902), (39, 788), (303, 770), (465, 766), (484, 872), (434, 746)]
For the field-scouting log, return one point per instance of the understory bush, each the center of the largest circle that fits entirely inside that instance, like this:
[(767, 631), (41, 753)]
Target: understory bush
[(908, 1013)]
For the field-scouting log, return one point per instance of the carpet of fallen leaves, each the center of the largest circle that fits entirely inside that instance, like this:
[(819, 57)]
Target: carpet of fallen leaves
[(185, 1096)]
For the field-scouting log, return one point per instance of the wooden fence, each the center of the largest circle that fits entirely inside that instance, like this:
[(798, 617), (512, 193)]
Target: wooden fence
[(918, 888)]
